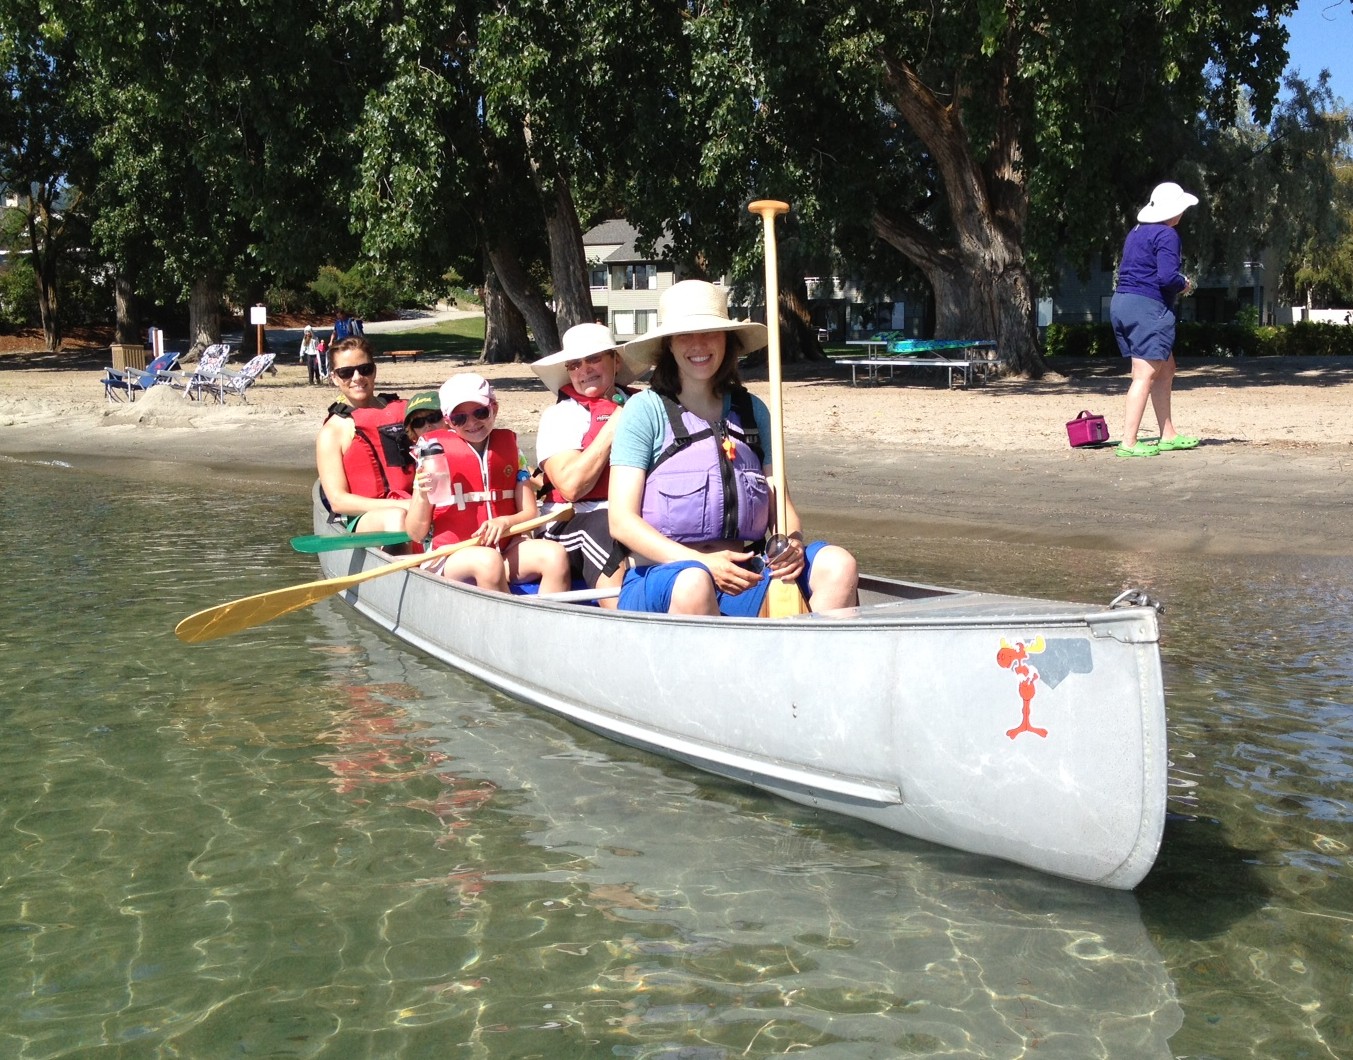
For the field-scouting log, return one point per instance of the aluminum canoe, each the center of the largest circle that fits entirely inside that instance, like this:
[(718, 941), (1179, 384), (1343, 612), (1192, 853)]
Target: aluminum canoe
[(1024, 729)]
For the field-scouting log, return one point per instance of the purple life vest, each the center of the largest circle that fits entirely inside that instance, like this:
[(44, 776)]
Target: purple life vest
[(695, 492)]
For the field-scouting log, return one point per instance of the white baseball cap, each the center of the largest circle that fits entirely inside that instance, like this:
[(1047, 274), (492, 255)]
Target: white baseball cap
[(465, 387)]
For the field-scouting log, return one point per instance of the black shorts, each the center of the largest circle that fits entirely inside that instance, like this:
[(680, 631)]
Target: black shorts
[(592, 551)]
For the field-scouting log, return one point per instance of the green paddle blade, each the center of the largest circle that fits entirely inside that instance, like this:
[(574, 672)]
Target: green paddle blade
[(338, 542)]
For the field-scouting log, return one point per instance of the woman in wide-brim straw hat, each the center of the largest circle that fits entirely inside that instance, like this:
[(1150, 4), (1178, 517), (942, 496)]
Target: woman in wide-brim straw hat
[(1142, 312), (573, 447), (690, 462)]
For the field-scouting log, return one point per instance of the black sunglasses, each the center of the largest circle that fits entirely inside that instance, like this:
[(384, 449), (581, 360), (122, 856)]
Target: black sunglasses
[(417, 423), (460, 419), (367, 368)]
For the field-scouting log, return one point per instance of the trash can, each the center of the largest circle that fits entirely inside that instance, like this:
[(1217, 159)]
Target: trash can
[(129, 356)]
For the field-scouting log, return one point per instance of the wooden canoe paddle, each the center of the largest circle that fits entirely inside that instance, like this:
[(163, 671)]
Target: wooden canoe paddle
[(782, 598), (237, 615)]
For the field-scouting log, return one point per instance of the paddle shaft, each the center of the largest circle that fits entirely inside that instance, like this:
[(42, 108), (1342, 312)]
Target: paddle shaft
[(769, 210), (238, 615), (782, 598)]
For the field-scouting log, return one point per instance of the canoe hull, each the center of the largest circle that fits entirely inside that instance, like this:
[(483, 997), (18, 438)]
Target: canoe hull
[(1022, 729)]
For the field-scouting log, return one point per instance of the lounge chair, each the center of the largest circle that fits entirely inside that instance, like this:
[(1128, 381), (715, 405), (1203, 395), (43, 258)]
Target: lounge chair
[(123, 384), (228, 382), (202, 379)]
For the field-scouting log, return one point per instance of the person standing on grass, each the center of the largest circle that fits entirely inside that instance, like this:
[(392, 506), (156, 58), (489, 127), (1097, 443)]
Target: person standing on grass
[(1142, 312)]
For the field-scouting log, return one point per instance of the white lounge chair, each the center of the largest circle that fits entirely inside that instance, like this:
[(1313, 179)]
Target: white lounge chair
[(228, 382)]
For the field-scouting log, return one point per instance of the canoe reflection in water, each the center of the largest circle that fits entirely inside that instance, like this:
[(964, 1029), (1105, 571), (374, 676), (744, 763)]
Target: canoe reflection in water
[(658, 908)]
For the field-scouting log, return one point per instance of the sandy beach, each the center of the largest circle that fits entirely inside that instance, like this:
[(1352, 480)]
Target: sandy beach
[(1272, 475)]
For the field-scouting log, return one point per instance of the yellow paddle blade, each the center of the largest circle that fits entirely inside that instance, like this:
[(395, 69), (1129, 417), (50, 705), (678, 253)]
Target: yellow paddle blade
[(783, 600), (237, 615)]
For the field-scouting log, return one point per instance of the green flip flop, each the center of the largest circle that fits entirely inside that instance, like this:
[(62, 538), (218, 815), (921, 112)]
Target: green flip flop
[(1179, 441), (1140, 449)]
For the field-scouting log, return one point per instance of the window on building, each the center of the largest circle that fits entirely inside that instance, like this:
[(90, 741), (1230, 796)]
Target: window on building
[(641, 277), (598, 276), (623, 322), (645, 320)]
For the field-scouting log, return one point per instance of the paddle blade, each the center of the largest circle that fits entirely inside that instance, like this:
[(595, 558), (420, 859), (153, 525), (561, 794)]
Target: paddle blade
[(338, 542), (225, 619), (783, 600)]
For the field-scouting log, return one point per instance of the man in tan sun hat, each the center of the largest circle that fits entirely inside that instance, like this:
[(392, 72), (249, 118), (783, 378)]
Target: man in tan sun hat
[(690, 491), (573, 447)]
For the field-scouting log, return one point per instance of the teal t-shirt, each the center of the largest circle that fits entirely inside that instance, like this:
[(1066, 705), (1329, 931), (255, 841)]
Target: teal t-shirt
[(639, 438)]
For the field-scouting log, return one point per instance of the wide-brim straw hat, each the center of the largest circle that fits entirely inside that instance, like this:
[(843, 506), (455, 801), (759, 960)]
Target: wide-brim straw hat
[(1167, 200), (693, 307), (583, 340)]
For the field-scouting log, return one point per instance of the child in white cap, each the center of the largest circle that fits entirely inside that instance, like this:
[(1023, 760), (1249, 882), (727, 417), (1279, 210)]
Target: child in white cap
[(491, 490)]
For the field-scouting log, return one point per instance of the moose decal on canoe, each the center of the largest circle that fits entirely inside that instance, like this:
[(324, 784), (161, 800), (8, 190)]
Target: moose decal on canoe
[(1057, 658)]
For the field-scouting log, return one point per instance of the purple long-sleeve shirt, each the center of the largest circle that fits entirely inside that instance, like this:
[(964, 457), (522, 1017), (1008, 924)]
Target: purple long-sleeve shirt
[(1150, 265)]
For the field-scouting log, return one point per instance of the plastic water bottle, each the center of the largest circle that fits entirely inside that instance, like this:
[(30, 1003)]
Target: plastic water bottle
[(432, 460)]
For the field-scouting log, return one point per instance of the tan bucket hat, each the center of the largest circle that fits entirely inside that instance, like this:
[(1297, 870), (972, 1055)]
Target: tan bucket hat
[(583, 340), (692, 307)]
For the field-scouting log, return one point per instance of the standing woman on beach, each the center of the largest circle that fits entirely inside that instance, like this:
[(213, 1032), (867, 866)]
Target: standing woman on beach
[(690, 468), (362, 452), (1143, 316)]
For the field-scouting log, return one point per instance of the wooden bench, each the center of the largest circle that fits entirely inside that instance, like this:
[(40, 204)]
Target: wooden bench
[(395, 355)]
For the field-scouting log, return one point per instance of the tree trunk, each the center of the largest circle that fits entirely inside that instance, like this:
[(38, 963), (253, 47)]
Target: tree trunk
[(40, 245), (204, 312), (127, 325), (526, 296), (505, 337), (568, 260), (980, 278)]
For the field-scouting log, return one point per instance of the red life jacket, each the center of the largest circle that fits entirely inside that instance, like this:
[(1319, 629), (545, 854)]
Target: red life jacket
[(377, 463), (484, 488), (600, 409)]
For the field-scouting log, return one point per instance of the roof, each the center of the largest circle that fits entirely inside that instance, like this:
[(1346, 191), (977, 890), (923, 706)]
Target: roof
[(627, 236)]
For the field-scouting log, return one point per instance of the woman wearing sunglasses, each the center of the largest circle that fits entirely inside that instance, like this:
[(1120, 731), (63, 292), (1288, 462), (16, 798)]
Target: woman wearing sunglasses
[(365, 470), (492, 490)]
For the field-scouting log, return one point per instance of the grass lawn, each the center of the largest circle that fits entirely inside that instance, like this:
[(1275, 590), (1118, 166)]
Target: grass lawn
[(461, 339)]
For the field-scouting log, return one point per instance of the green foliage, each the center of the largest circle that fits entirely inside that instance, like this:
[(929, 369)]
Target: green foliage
[(366, 291), (1325, 272), (18, 295), (1212, 340)]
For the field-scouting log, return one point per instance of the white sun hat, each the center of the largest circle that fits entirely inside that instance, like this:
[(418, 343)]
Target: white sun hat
[(583, 340), (1167, 200), (693, 307)]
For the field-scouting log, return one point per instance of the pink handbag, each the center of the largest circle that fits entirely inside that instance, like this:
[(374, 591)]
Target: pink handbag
[(1087, 429)]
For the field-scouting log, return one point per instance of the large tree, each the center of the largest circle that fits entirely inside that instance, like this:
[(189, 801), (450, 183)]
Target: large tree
[(983, 138), (217, 140), (45, 157)]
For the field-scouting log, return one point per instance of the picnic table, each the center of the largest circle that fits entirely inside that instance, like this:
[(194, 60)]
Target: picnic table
[(968, 357), (395, 355)]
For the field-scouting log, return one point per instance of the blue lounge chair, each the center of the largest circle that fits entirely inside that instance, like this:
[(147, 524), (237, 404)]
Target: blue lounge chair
[(123, 384)]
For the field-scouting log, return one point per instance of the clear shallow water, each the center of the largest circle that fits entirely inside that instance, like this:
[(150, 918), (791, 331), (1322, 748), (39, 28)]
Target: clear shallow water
[(307, 841)]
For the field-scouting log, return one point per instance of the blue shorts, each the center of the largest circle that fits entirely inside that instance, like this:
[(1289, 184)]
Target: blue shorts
[(1143, 327), (650, 588)]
